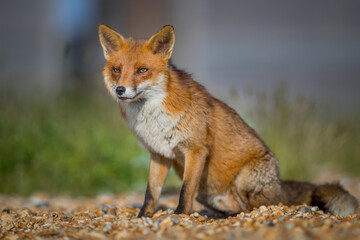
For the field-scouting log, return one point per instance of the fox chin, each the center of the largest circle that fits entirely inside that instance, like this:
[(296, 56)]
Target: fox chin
[(222, 162)]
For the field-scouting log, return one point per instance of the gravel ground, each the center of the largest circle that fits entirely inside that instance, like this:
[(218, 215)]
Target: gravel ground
[(114, 217)]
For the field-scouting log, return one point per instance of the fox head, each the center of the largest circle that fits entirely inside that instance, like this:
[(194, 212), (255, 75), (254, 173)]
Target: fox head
[(136, 69)]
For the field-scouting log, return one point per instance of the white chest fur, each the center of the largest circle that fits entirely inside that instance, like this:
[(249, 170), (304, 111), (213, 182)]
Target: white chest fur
[(152, 125)]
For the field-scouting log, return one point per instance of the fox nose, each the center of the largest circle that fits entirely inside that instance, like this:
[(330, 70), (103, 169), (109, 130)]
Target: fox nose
[(120, 90)]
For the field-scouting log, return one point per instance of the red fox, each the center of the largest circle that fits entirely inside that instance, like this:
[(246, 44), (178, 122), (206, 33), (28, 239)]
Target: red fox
[(221, 160)]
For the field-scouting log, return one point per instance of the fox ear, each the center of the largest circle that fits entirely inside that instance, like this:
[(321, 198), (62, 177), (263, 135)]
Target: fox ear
[(163, 42), (110, 40)]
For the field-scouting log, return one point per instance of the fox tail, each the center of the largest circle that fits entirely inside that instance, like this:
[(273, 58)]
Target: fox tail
[(330, 197)]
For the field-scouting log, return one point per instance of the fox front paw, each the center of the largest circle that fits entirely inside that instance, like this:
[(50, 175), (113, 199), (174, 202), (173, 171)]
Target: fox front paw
[(145, 213), (179, 210)]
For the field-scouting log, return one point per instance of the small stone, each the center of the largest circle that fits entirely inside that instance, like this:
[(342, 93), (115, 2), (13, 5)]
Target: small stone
[(90, 213), (42, 205), (112, 211), (305, 209), (108, 227), (263, 209), (9, 227), (105, 209), (237, 224), (26, 213), (114, 207), (124, 223), (66, 217), (247, 224), (7, 219), (315, 209), (146, 231), (147, 221), (155, 226), (165, 223), (175, 219), (195, 215), (270, 224), (5, 210)]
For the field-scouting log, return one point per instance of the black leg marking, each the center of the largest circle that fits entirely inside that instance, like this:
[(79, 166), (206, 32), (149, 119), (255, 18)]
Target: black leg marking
[(181, 207), (149, 200)]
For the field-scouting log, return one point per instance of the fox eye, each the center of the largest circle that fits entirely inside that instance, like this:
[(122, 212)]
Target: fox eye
[(142, 70), (116, 70)]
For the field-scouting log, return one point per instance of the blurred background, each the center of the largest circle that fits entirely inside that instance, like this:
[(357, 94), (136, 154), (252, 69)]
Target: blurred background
[(290, 68)]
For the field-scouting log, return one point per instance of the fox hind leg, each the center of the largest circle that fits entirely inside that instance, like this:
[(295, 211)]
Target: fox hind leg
[(258, 183)]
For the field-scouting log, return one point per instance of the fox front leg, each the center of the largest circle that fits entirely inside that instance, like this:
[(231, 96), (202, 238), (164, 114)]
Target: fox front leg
[(159, 169), (194, 164)]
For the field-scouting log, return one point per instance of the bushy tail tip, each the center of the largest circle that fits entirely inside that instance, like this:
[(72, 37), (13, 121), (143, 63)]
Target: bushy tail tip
[(335, 199)]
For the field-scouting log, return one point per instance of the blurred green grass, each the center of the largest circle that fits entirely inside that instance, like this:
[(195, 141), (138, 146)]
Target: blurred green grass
[(306, 137), (74, 144), (78, 144)]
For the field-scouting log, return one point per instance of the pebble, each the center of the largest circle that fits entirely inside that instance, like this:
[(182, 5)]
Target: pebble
[(263, 209), (42, 205), (175, 219), (66, 217), (147, 221), (5, 210), (90, 213), (155, 226), (105, 209), (146, 231), (108, 227), (315, 209), (305, 209), (195, 214), (112, 211), (270, 224)]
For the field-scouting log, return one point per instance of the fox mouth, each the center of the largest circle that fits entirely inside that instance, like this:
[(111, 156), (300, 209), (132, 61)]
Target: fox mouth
[(131, 98)]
